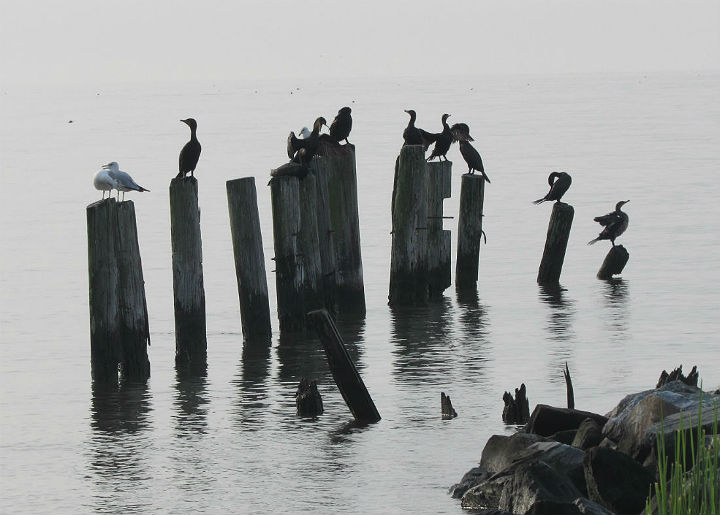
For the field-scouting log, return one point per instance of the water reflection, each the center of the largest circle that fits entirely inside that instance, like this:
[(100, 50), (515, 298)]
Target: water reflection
[(615, 292), (559, 328), (252, 382), (190, 402), (118, 463), (473, 351)]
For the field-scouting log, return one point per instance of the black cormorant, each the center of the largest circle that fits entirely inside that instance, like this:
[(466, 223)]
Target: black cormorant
[(443, 140), (460, 132), (614, 224), (559, 183), (341, 125), (472, 158), (416, 136), (190, 153), (309, 144)]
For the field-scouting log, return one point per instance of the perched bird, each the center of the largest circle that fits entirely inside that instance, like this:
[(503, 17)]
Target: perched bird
[(414, 135), (304, 132), (614, 224), (308, 144), (341, 125), (122, 179), (190, 153), (443, 140), (559, 183), (472, 158), (104, 182), (460, 132)]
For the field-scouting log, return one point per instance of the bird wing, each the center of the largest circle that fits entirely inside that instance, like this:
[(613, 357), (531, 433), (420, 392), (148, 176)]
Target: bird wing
[(428, 138), (292, 145), (460, 132), (607, 219)]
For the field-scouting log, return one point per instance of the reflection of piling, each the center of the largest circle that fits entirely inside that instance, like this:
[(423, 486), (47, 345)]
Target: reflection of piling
[(345, 224), (614, 262), (472, 195), (249, 258), (438, 240), (119, 330), (343, 369), (409, 256), (556, 243), (188, 289), (326, 235)]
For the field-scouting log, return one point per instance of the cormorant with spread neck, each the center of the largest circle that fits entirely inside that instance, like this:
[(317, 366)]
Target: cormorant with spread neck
[(415, 135), (472, 158), (559, 183), (190, 153), (614, 224), (315, 143), (442, 141), (341, 125)]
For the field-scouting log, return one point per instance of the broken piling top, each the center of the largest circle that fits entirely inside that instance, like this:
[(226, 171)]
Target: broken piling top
[(472, 197), (558, 234), (249, 258), (188, 288), (614, 262), (438, 240), (409, 255), (119, 328)]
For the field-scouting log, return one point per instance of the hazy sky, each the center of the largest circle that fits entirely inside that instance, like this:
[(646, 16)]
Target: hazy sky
[(135, 40)]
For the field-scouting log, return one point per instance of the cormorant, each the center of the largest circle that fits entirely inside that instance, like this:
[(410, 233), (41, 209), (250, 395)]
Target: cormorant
[(559, 183), (442, 141), (416, 136), (341, 125), (461, 132), (472, 158), (104, 182), (122, 179), (309, 144), (190, 153), (614, 224)]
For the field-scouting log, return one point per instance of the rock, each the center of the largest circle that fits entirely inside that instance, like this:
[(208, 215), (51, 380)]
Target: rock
[(615, 480), (308, 401), (588, 435), (567, 436), (588, 507), (547, 420), (501, 451), (472, 477)]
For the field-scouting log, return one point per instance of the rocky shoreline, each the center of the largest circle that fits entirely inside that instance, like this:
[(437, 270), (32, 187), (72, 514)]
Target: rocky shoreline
[(572, 461)]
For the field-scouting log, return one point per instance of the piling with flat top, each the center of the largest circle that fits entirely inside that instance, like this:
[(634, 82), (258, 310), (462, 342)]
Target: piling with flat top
[(614, 262), (438, 240), (249, 258), (345, 223), (284, 193), (556, 243), (409, 255), (472, 197), (343, 369), (320, 168), (188, 289), (119, 328)]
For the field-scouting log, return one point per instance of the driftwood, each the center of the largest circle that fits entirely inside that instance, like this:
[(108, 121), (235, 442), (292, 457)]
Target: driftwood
[(517, 409), (307, 399), (569, 388), (446, 407), (677, 375)]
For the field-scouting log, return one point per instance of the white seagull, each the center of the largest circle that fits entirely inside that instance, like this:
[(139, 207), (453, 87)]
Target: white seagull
[(304, 132), (104, 182), (123, 180)]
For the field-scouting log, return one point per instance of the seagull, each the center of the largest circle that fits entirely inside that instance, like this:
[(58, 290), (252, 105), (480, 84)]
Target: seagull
[(104, 182), (304, 133), (122, 179)]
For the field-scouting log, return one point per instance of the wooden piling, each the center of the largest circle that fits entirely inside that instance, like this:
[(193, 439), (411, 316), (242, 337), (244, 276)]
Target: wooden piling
[(188, 289), (249, 258), (343, 369), (308, 245), (446, 408), (438, 240), (103, 274), (517, 409), (345, 223), (119, 328), (556, 243), (284, 193), (614, 262), (472, 197), (409, 256), (320, 168)]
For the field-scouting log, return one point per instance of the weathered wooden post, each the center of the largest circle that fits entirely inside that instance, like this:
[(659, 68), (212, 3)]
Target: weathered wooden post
[(119, 328), (409, 256), (188, 289), (614, 262), (134, 325), (308, 245), (472, 196), (345, 223), (343, 369), (320, 168), (438, 240), (556, 243), (249, 258), (284, 193), (105, 350)]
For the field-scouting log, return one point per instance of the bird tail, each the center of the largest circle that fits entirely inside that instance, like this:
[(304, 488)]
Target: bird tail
[(538, 201), (593, 241), (486, 177)]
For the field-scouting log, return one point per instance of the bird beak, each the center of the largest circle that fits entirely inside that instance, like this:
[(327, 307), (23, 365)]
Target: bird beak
[(627, 201)]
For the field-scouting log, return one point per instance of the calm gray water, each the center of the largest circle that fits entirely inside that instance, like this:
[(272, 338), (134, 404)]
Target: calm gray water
[(231, 441)]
